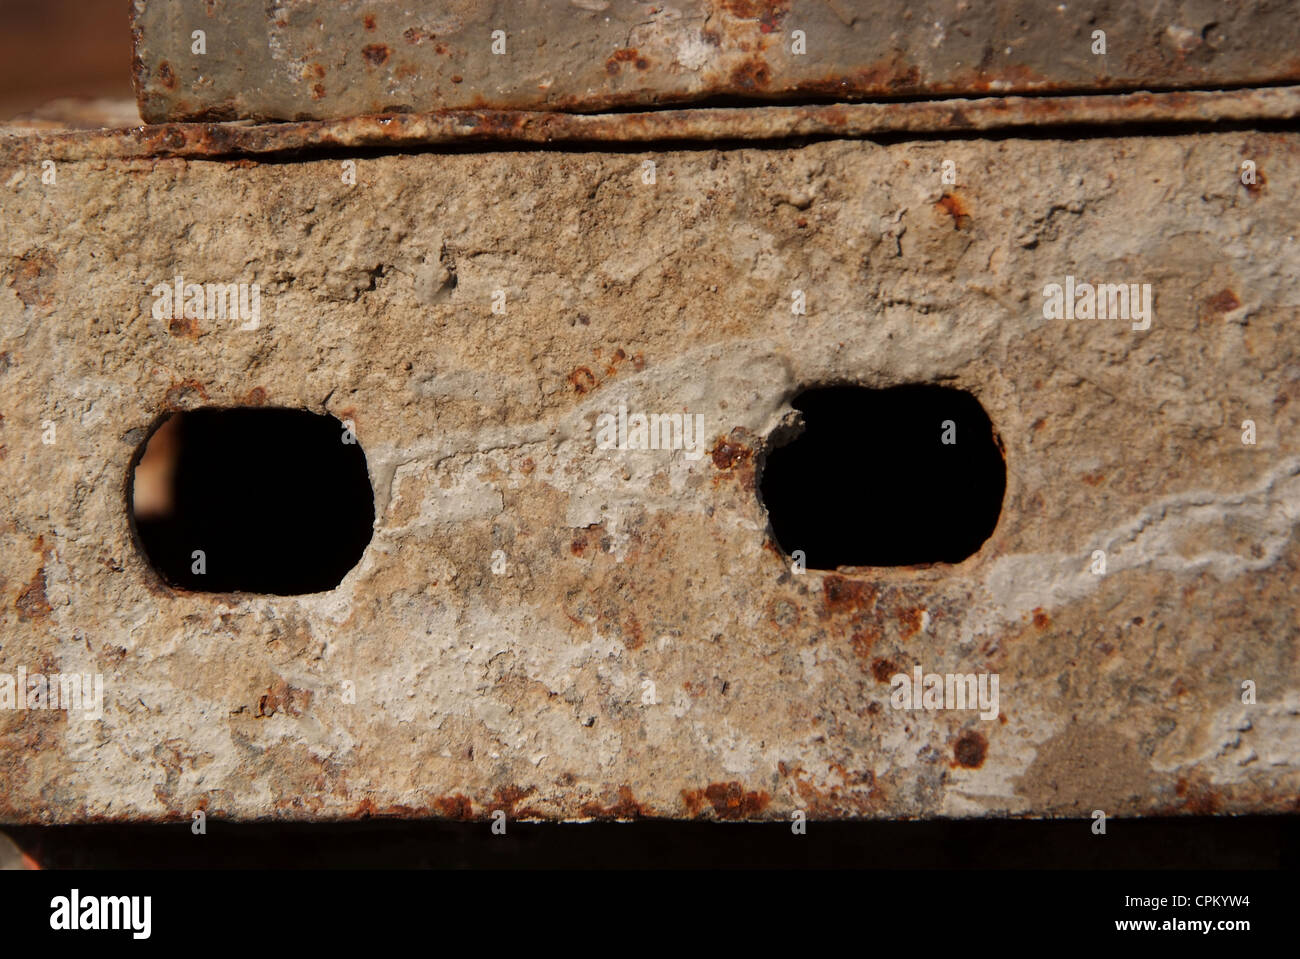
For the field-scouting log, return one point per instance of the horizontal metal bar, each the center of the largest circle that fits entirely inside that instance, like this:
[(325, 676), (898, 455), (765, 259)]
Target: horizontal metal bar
[(321, 60), (406, 131)]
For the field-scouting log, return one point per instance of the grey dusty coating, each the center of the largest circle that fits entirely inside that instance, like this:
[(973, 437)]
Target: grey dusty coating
[(526, 691)]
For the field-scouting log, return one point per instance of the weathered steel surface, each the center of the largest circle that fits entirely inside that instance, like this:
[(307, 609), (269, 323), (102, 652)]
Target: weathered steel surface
[(526, 691), (322, 60), (407, 131)]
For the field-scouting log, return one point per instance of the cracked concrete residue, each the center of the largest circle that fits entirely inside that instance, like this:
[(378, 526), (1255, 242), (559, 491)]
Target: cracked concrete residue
[(563, 631)]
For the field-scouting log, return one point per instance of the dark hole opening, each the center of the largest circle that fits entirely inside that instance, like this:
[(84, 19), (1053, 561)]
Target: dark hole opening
[(872, 480), (272, 500)]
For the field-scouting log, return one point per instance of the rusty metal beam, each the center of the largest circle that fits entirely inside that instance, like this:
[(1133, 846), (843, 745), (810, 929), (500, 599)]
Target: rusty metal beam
[(524, 691), (228, 59), (861, 120)]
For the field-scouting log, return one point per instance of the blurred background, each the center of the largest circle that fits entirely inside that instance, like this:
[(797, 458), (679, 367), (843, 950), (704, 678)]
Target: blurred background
[(53, 49)]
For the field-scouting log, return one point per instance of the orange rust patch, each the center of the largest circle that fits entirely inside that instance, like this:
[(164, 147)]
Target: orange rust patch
[(955, 207), (727, 454), (1224, 301), (909, 621), (1094, 478), (282, 697), (166, 75), (863, 641), (729, 800), (255, 397), (619, 57), (507, 797), (625, 808), (582, 380), (751, 74), (1041, 619), (768, 13), (369, 21), (454, 807), (841, 595), (970, 749), (857, 792)]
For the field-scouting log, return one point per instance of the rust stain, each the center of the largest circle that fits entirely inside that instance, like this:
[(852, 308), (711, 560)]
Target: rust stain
[(888, 77), (507, 797), (1224, 301), (631, 633), (909, 620), (955, 207), (628, 55), (367, 809), (179, 395), (454, 807), (625, 807), (728, 454), (376, 54), (582, 380), (751, 74), (883, 670), (970, 749), (369, 21), (1256, 188), (166, 75), (186, 327), (281, 697), (1197, 797), (1041, 619), (768, 13), (32, 275), (842, 595), (729, 800), (855, 793), (31, 602), (864, 640)]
